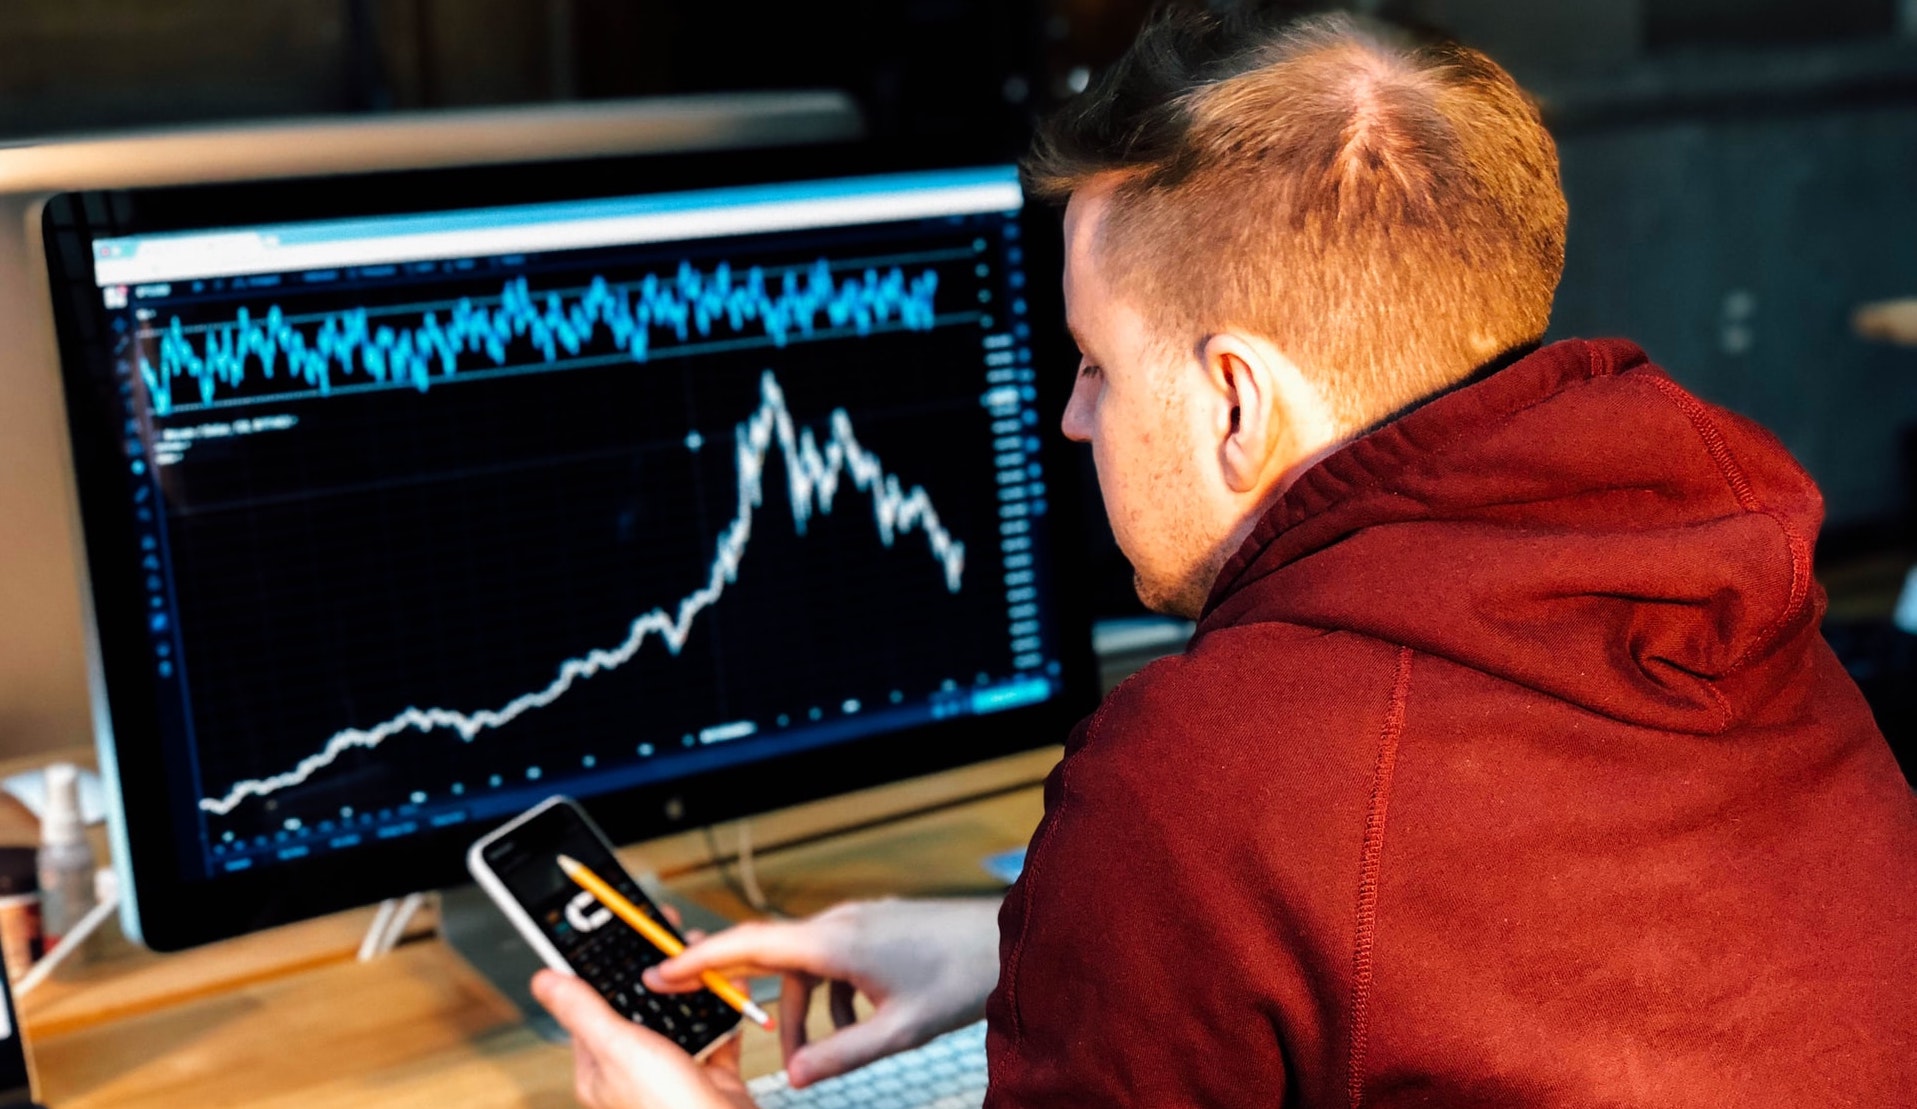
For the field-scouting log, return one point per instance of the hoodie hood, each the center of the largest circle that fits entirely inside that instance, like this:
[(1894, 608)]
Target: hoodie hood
[(1576, 523)]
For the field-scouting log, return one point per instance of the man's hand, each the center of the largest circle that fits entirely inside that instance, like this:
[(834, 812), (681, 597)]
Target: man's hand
[(621, 1065), (926, 966)]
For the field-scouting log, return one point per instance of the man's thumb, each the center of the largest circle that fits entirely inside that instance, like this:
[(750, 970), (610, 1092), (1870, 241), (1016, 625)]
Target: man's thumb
[(576, 1006)]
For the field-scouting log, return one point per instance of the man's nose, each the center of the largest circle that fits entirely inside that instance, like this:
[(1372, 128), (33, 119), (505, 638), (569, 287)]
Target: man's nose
[(1077, 423)]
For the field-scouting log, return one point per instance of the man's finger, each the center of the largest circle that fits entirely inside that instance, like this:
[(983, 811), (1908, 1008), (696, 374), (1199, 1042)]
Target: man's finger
[(771, 946), (725, 1057), (795, 997), (737, 975), (847, 1049)]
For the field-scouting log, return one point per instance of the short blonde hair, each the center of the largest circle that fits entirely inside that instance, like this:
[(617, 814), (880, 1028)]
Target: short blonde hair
[(1388, 213)]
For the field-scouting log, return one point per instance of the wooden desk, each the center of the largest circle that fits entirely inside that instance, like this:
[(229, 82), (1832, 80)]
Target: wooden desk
[(289, 1018)]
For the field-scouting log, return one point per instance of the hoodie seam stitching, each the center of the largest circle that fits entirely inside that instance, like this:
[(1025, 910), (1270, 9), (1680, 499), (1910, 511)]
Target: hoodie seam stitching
[(1370, 868), (1734, 476), (1036, 864)]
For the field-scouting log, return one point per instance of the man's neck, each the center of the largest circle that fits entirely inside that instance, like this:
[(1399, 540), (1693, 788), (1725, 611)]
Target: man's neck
[(1240, 534), (1502, 362)]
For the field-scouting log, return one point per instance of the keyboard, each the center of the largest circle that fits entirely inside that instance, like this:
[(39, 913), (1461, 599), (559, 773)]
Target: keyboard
[(948, 1073)]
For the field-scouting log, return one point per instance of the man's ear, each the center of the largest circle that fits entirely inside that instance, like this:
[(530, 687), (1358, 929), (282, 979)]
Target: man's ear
[(1244, 426), (1269, 417)]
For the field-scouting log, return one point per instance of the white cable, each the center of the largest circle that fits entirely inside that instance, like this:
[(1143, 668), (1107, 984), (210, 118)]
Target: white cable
[(106, 888), (402, 916), (376, 932), (749, 871), (389, 925)]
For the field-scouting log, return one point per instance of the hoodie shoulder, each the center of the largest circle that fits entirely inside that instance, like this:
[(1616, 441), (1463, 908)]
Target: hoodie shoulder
[(1577, 525), (1292, 700)]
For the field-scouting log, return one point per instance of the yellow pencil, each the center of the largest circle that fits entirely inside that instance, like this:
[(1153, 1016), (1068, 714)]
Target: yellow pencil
[(660, 938)]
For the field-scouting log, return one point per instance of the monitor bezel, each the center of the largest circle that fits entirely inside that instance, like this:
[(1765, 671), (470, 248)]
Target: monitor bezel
[(169, 911)]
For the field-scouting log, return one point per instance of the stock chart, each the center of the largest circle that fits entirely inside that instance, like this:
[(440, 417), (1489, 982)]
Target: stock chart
[(439, 533)]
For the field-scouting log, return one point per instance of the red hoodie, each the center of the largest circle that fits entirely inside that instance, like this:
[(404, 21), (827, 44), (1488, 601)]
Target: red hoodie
[(1507, 767)]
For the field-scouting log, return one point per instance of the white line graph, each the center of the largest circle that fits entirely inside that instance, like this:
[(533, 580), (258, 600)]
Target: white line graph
[(814, 474)]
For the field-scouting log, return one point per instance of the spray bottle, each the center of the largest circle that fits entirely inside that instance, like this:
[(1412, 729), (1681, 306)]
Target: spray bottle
[(66, 859)]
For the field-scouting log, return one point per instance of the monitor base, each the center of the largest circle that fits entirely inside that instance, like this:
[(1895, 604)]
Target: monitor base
[(479, 933)]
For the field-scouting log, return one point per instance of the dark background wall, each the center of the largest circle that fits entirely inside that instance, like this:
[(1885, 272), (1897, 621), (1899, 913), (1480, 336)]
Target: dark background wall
[(1740, 175), (1736, 250), (937, 66), (1740, 171)]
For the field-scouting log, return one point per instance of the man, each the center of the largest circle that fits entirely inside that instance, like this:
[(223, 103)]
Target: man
[(1507, 765)]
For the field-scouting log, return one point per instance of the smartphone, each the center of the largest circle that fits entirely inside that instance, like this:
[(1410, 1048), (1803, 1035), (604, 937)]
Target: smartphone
[(16, 1071), (518, 866)]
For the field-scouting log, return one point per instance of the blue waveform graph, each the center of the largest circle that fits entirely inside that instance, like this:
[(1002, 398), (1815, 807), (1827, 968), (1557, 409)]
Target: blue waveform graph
[(234, 361), (816, 473)]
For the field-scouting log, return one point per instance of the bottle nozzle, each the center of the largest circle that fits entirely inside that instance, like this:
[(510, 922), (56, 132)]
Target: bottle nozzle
[(60, 820)]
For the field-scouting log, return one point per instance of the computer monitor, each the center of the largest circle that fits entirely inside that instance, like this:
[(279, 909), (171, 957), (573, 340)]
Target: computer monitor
[(44, 694), (690, 485)]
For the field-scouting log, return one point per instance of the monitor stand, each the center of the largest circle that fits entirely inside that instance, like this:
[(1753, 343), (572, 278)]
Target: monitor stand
[(474, 928)]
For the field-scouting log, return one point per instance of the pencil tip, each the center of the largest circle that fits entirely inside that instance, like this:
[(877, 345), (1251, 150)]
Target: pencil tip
[(568, 863)]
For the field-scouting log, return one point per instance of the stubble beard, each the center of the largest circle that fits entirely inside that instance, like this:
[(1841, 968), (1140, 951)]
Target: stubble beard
[(1184, 599)]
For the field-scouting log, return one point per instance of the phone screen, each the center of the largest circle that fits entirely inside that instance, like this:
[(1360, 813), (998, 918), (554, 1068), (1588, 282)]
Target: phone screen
[(599, 947)]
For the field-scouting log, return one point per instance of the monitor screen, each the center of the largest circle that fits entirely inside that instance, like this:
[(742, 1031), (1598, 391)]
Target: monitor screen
[(412, 501)]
